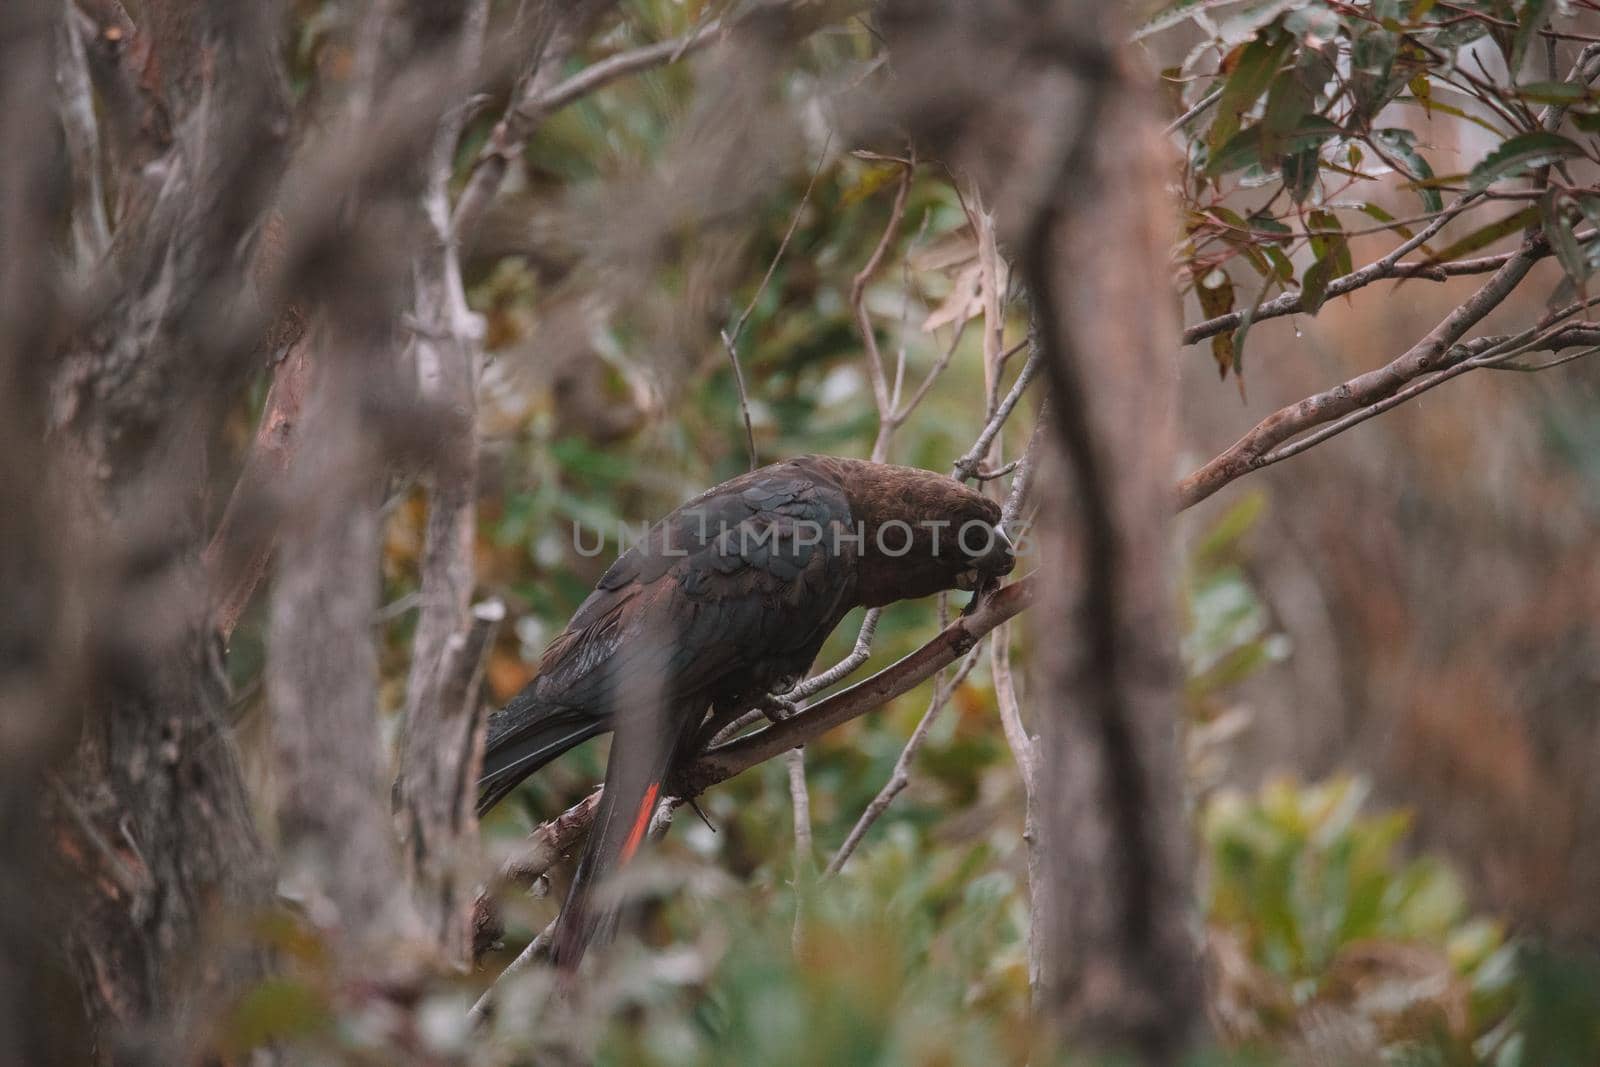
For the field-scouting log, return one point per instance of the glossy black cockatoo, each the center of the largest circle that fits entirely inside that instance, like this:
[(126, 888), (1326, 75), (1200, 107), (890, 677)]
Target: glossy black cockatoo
[(725, 601)]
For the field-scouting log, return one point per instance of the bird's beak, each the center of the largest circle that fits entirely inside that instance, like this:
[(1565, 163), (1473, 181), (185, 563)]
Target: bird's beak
[(1002, 555)]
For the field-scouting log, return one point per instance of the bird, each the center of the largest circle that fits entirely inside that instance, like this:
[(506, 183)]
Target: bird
[(719, 607)]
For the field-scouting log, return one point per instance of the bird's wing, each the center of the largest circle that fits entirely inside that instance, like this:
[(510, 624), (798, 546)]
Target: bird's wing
[(729, 592), (741, 581)]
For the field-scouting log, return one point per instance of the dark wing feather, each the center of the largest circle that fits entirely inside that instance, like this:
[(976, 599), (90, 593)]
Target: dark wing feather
[(719, 600)]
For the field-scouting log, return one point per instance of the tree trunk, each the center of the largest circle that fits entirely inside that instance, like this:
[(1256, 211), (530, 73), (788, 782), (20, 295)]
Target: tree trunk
[(1114, 902), (157, 789), (1066, 149), (436, 792), (38, 702)]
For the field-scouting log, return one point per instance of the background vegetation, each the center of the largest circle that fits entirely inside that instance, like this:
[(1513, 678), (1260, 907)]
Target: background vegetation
[(1389, 645)]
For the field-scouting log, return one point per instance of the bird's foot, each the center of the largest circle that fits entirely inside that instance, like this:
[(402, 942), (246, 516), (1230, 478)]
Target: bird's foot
[(694, 806), (777, 709), (985, 589)]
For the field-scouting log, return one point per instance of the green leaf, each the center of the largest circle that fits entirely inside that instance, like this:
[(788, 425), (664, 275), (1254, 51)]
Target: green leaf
[(1215, 291), (1289, 100), (1563, 242), (1244, 148), (1521, 153), (1590, 206), (1488, 235), (1401, 145), (1177, 13), (1258, 63), (1374, 211), (1534, 15), (1328, 240), (1314, 286), (1333, 260), (1245, 322), (1299, 173), (276, 1009), (1434, 104), (1553, 92)]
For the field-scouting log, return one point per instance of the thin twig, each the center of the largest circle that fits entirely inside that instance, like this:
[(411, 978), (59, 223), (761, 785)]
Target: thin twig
[(1424, 357), (133, 882), (858, 302), (901, 776), (730, 338), (1194, 112), (1023, 747), (532, 951), (963, 467), (1290, 303), (801, 802)]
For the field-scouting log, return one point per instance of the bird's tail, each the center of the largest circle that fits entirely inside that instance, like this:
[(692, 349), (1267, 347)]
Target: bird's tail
[(642, 755), (525, 735)]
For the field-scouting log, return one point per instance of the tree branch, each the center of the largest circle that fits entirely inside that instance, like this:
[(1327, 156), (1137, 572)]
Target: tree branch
[(1426, 356), (560, 836), (237, 556), (1290, 303), (901, 776)]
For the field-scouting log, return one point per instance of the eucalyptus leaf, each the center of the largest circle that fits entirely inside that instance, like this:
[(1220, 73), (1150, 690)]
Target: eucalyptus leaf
[(1521, 153)]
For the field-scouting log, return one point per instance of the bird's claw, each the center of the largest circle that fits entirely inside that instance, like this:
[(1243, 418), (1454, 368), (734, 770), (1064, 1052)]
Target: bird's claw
[(777, 709), (984, 590)]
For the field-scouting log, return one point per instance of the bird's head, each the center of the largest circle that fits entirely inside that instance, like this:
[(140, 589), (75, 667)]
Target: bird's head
[(920, 533)]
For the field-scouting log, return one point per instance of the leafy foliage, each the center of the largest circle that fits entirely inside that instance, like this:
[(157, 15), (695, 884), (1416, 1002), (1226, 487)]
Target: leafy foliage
[(1326, 121), (1307, 114)]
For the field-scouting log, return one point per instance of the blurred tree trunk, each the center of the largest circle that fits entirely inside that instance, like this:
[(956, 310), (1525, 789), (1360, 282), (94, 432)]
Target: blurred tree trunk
[(38, 704), (435, 793), (157, 789), (1119, 962), (1067, 149)]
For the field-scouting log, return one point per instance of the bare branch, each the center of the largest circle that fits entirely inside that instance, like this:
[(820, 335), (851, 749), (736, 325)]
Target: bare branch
[(561, 835), (1426, 356), (237, 556), (800, 800), (901, 776), (436, 791), (91, 231), (968, 463), (540, 95), (951, 643), (1023, 746), (532, 951), (869, 339), (730, 338)]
